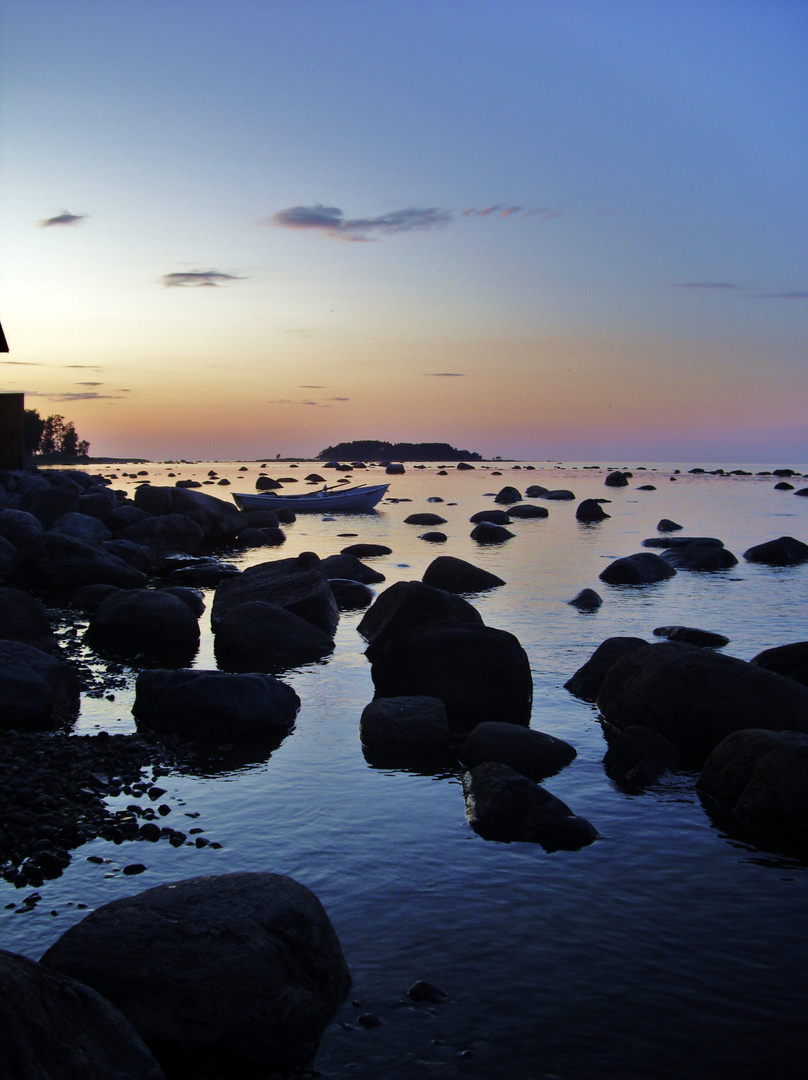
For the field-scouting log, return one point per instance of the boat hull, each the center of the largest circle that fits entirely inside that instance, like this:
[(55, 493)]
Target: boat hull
[(345, 501)]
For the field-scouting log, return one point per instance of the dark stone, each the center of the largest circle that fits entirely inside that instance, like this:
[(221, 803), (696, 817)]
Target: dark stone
[(784, 486), (699, 556), (696, 697), (590, 510), (761, 776), (351, 595), (587, 680), (55, 1028), (559, 495), (350, 568), (408, 604), (48, 504), (365, 551), (457, 576), (501, 804), (61, 564), (785, 551), (479, 673), (617, 479), (492, 516), (235, 975), (638, 756), (125, 515), (535, 491), (434, 537), (83, 527), (145, 621), (527, 510), (461, 465), (425, 519), (171, 532), (586, 600), (486, 533), (90, 597), (789, 660), (266, 537), (19, 527), (691, 635), (410, 730), (532, 753), (22, 618), (299, 585), (219, 521), (666, 525), (259, 519), (424, 991), (508, 495), (38, 692), (194, 598), (259, 636), (676, 542), (203, 572), (266, 483), (213, 706), (644, 568), (136, 555)]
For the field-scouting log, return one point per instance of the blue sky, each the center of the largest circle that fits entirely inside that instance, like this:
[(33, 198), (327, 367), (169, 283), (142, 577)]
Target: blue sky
[(537, 230)]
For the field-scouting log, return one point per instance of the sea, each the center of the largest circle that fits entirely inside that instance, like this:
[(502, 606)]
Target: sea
[(668, 948)]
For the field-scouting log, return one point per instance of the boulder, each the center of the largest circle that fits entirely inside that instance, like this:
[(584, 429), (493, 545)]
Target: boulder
[(411, 730), (528, 510), (18, 527), (508, 495), (666, 525), (61, 564), (691, 635), (259, 636), (559, 495), (145, 621), (408, 604), (617, 479), (38, 692), (98, 503), (587, 680), (90, 597), (266, 483), (638, 756), (264, 537), (55, 1028), (351, 595), (258, 519), (586, 600), (532, 753), (479, 673), (457, 576), (365, 551), (136, 555), (434, 537), (492, 516), (49, 503), (785, 551), (486, 533), (695, 697), (213, 706), (644, 568), (125, 515), (351, 568), (761, 777), (219, 521), (22, 618), (194, 598), (299, 585), (700, 556), (590, 510), (202, 573), (424, 519), (501, 804), (7, 553), (235, 975), (535, 491), (83, 527), (171, 532), (682, 541), (789, 660)]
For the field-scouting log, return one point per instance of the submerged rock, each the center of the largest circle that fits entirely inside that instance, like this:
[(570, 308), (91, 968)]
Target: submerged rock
[(666, 525), (785, 551), (501, 804), (644, 568), (586, 600), (638, 756), (698, 555), (351, 568), (410, 729), (234, 975), (486, 533), (590, 510), (532, 753), (528, 510), (457, 576), (691, 635)]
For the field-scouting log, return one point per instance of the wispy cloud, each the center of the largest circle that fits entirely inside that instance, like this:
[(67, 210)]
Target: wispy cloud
[(90, 384), (330, 221), (78, 395), (705, 285), (197, 278), (65, 218), (339, 399), (311, 386), (84, 367), (22, 363), (797, 295), (753, 292), (444, 374)]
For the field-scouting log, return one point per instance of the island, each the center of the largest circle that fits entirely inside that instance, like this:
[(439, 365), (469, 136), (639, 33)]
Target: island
[(378, 450)]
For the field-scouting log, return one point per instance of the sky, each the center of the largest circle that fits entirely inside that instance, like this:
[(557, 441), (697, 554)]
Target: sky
[(558, 229)]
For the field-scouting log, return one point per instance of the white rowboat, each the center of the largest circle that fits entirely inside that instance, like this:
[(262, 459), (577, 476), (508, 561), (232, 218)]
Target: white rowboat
[(336, 500)]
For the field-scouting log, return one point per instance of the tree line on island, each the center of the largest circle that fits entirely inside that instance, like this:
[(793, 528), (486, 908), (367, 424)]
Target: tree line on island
[(43, 437), (377, 450)]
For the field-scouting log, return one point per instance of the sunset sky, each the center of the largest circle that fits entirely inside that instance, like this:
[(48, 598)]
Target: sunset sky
[(558, 229)]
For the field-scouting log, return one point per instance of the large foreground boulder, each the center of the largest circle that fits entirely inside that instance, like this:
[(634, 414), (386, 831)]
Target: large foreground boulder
[(350, 568), (458, 576), (60, 564), (790, 660), (145, 621), (219, 521), (38, 692), (54, 1028), (257, 636), (695, 697), (299, 585), (23, 618), (501, 804), (587, 680), (409, 604), (232, 976), (479, 673), (534, 754), (213, 706), (410, 730), (638, 756)]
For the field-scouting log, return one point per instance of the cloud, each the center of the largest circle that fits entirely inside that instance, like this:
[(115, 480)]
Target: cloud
[(84, 367), (311, 386), (752, 292), (82, 395), (65, 218), (23, 363), (798, 295), (444, 374), (339, 399), (705, 285), (489, 210), (330, 221), (198, 278), (510, 210), (89, 384)]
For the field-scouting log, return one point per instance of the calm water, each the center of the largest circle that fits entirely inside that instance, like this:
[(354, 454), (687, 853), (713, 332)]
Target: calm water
[(665, 949)]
